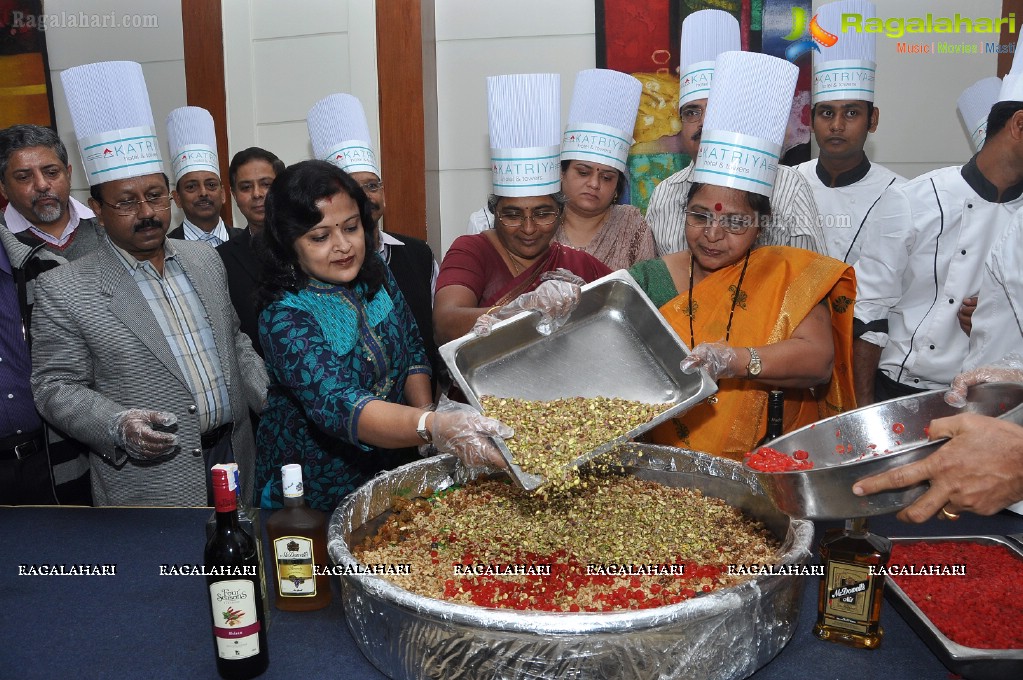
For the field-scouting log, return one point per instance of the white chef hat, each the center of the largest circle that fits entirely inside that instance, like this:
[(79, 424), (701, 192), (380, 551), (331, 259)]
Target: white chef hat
[(744, 127), (1012, 83), (192, 141), (113, 120), (846, 64), (340, 135), (602, 117), (525, 133), (974, 106), (705, 34)]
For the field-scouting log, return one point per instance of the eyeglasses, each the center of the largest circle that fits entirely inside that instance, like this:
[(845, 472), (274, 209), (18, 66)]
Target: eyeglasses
[(541, 218), (733, 224), (131, 207), (372, 187), (691, 113)]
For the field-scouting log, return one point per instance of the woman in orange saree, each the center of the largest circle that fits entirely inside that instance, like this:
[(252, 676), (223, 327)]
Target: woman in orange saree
[(759, 319)]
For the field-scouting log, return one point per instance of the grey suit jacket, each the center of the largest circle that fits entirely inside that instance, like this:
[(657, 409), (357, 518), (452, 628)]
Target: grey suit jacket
[(99, 350)]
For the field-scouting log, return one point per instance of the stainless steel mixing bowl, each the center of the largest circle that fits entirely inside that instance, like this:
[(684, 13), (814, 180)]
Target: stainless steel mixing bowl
[(867, 441)]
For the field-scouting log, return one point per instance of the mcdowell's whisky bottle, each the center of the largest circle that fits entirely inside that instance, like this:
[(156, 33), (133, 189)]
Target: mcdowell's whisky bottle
[(849, 606)]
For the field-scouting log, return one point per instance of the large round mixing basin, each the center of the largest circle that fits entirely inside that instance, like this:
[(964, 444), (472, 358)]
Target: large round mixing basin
[(724, 634)]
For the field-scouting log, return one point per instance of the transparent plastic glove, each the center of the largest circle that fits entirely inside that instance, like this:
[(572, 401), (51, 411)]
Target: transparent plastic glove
[(554, 299), (1007, 369), (562, 274), (135, 431), (713, 357), (461, 430)]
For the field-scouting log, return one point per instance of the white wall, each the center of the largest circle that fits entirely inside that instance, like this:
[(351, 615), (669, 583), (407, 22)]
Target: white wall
[(158, 48), (281, 58), (919, 128)]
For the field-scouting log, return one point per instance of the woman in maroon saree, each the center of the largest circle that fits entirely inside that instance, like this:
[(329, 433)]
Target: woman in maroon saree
[(484, 272)]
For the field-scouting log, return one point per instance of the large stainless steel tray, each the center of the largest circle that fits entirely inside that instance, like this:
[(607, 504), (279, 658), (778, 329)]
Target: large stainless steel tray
[(969, 662), (725, 634), (615, 344)]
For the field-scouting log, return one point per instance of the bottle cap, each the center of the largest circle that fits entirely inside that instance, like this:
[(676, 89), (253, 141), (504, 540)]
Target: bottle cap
[(224, 498), (291, 476)]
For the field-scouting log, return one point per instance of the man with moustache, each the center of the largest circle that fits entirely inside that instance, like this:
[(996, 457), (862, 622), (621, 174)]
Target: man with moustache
[(251, 173), (35, 178), (138, 351), (845, 184), (794, 220), (198, 191)]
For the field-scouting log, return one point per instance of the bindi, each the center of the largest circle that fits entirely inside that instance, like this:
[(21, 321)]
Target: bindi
[(717, 207)]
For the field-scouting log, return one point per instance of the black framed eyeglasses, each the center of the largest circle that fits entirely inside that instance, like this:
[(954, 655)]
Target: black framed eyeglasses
[(543, 217), (131, 207), (733, 224)]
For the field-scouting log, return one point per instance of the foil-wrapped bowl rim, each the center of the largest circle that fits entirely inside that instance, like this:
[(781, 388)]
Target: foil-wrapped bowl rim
[(447, 471)]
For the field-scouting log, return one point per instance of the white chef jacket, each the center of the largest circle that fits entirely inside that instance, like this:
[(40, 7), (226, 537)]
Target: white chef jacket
[(998, 319), (844, 207), (795, 213), (480, 221), (924, 247)]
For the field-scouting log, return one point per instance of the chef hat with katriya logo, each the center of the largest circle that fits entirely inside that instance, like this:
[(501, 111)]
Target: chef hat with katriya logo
[(705, 34), (601, 118), (846, 64), (974, 106), (1012, 83), (340, 135), (113, 120), (192, 141), (524, 113), (744, 127)]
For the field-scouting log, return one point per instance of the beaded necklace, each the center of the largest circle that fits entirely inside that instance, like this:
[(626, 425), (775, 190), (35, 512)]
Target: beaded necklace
[(735, 299)]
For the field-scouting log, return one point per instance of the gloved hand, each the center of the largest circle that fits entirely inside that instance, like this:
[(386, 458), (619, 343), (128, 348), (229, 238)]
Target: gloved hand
[(554, 299), (562, 274), (713, 357), (1007, 369), (133, 430), (461, 430)]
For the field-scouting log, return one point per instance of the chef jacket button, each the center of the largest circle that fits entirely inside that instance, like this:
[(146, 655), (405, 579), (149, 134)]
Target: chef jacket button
[(963, 252), (932, 346), (969, 205), (196, 452), (192, 409), (916, 380), (951, 301)]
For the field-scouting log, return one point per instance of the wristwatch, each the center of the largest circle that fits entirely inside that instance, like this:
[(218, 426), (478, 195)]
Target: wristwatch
[(421, 430), (754, 366)]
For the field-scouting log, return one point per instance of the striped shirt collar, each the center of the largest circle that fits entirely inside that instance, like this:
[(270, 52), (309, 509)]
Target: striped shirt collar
[(131, 263), (77, 211), (194, 233)]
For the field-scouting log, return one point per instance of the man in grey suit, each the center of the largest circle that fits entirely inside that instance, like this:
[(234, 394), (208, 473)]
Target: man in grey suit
[(139, 355), (137, 349)]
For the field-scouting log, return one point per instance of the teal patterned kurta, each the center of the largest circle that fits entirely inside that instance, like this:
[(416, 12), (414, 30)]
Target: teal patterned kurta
[(329, 352)]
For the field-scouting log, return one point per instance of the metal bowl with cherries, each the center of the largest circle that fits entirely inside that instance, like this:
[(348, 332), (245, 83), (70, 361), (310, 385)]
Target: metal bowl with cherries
[(867, 441)]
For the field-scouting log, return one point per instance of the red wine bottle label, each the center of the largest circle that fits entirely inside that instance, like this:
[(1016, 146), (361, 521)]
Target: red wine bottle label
[(295, 566), (235, 623)]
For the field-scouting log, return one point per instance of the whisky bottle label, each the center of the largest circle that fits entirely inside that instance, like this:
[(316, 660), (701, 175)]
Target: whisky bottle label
[(849, 596), (235, 622), (295, 566)]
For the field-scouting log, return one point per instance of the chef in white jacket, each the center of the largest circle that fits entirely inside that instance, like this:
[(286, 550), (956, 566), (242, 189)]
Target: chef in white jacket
[(925, 246), (845, 184)]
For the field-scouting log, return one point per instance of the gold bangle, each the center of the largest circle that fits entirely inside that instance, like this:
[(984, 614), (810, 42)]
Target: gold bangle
[(487, 313)]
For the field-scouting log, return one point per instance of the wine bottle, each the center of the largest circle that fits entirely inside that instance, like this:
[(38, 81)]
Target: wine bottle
[(775, 414), (849, 600), (236, 600), (298, 535)]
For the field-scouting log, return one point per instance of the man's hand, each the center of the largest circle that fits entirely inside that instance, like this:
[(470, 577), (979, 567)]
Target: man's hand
[(979, 469), (142, 433), (965, 314)]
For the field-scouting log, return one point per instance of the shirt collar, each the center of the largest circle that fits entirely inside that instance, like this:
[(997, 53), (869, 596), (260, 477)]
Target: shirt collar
[(77, 211), (194, 233), (132, 264), (846, 178), (984, 188)]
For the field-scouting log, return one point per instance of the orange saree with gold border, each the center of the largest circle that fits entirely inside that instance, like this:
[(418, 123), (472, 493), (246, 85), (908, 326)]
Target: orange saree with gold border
[(781, 287)]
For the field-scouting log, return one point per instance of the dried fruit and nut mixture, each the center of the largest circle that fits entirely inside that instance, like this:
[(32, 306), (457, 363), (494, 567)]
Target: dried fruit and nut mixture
[(588, 537), (550, 435)]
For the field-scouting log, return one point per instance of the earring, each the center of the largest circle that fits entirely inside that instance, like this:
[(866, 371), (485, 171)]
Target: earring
[(614, 199)]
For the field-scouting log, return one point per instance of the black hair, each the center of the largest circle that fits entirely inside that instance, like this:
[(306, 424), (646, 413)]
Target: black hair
[(253, 153), (1000, 114), (620, 187), (96, 190), (291, 211), (24, 136)]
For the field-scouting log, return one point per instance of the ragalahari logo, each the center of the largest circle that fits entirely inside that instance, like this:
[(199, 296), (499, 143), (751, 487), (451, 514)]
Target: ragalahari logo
[(801, 44)]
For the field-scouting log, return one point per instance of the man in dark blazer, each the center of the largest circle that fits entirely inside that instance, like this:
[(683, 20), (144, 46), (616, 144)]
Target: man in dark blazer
[(112, 362)]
